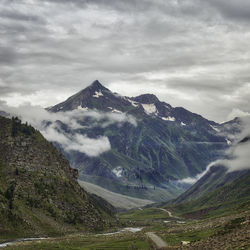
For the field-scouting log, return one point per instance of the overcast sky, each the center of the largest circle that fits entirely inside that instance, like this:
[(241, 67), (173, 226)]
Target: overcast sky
[(190, 53)]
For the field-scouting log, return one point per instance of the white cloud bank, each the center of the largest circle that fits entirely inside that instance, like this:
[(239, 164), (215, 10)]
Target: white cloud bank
[(77, 142), (48, 124), (239, 154), (237, 113)]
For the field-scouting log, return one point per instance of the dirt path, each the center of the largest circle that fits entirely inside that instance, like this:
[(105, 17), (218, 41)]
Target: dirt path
[(159, 242), (169, 213)]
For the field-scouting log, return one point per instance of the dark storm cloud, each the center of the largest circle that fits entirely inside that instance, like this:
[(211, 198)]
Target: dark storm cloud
[(190, 53), (15, 15), (7, 55), (239, 10)]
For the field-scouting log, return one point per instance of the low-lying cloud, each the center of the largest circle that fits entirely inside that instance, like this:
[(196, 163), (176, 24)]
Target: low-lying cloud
[(237, 113), (77, 142), (190, 53), (239, 153), (192, 180), (49, 124)]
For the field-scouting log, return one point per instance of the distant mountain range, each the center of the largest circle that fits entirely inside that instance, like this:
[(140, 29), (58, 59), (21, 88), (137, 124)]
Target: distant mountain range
[(154, 146)]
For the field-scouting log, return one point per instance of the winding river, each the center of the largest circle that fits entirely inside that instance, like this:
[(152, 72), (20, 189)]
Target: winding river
[(130, 229)]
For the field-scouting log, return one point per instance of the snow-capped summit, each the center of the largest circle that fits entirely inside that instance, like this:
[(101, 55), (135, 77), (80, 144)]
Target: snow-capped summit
[(98, 97)]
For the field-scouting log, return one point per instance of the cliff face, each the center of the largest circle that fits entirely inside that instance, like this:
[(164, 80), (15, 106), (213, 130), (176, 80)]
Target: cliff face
[(39, 193)]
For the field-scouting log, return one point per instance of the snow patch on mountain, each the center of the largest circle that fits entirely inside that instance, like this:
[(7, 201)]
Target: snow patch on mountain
[(117, 171), (214, 128), (149, 108), (169, 118), (135, 104), (98, 94), (82, 108), (116, 111)]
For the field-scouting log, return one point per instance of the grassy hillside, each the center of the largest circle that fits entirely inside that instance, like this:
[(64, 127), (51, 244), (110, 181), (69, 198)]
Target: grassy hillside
[(216, 177), (229, 198), (39, 193)]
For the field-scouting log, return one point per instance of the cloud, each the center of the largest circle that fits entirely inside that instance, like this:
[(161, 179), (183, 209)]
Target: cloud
[(192, 180), (107, 118), (36, 115), (237, 113), (239, 153), (240, 159), (51, 126), (238, 10), (77, 142), (237, 157), (191, 53), (89, 146)]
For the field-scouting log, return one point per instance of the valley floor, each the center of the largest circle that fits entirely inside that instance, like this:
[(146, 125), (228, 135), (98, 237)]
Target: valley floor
[(228, 231), (117, 200)]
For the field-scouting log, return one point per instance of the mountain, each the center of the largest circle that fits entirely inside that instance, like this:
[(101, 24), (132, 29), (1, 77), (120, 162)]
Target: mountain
[(39, 193), (96, 96), (218, 196), (155, 145), (230, 198), (235, 192), (216, 177)]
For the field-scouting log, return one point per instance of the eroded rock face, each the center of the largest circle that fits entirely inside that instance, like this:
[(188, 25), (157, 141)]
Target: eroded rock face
[(38, 188)]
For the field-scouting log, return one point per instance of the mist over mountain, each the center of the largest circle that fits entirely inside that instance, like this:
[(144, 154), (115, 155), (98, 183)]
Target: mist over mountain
[(152, 144), (222, 172), (137, 146)]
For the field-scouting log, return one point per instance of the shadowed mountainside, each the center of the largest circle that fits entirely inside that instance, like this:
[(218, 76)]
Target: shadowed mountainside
[(39, 193)]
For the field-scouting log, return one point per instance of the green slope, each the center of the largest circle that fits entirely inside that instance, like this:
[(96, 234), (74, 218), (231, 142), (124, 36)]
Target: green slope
[(216, 177), (39, 193), (226, 199)]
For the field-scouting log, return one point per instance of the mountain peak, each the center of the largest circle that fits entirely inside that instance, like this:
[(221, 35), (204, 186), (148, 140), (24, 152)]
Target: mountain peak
[(86, 98), (146, 99), (96, 85)]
